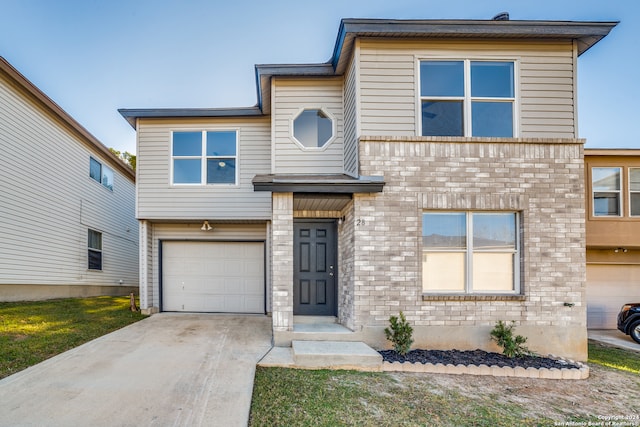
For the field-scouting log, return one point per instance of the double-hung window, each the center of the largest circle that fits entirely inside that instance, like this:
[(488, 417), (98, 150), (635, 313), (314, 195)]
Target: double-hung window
[(101, 173), (606, 184), (95, 250), (467, 98), (207, 157), (634, 191), (470, 253)]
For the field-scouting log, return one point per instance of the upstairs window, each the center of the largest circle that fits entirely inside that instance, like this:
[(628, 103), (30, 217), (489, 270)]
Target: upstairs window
[(101, 173), (467, 98), (634, 191), (313, 128), (606, 184), (207, 157), (470, 253), (95, 250)]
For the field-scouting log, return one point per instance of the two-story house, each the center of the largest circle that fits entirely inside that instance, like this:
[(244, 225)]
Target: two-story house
[(613, 233), (67, 217), (430, 167)]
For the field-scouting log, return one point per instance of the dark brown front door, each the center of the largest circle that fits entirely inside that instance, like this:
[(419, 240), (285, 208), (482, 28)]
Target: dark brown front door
[(315, 273)]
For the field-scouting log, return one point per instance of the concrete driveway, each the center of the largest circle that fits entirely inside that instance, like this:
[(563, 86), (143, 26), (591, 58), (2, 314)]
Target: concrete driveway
[(167, 370)]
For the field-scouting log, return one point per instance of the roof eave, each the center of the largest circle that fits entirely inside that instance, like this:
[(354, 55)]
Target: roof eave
[(52, 107), (131, 115)]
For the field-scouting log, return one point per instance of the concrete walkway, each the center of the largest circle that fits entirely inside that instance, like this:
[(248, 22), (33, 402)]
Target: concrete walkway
[(614, 338), (167, 370)]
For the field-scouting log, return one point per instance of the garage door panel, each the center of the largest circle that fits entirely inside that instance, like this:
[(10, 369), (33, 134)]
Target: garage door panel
[(608, 288), (213, 277)]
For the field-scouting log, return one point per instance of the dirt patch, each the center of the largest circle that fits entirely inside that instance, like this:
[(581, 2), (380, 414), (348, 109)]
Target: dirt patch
[(607, 395)]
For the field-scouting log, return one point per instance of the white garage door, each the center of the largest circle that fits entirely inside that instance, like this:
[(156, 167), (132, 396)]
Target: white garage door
[(608, 288), (215, 277)]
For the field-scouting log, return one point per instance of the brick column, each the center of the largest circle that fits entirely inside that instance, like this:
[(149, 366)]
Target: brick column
[(282, 261)]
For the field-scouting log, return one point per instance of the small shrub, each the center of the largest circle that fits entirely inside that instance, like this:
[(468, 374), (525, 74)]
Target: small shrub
[(512, 346), (399, 333)]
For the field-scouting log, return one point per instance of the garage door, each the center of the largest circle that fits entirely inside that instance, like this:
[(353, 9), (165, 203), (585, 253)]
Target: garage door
[(215, 277), (608, 288)]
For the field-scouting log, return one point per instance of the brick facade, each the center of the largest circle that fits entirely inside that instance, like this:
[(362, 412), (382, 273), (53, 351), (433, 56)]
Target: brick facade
[(543, 179)]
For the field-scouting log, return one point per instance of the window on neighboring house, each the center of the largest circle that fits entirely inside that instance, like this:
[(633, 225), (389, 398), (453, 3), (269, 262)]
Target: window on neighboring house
[(470, 252), (207, 157), (313, 128), (95, 250), (634, 191), (605, 185), (101, 173), (467, 98)]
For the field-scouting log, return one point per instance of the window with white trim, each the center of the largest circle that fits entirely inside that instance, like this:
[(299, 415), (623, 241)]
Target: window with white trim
[(95, 250), (467, 98), (470, 253), (204, 157), (634, 191), (101, 173), (313, 128), (606, 183)]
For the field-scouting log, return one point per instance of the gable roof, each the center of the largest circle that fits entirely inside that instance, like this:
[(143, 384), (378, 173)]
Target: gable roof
[(47, 104), (586, 34)]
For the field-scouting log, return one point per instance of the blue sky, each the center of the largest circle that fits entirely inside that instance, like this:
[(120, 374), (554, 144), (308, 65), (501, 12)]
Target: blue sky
[(93, 57)]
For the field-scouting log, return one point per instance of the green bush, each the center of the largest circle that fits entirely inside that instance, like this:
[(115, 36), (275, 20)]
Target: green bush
[(512, 346), (399, 333)]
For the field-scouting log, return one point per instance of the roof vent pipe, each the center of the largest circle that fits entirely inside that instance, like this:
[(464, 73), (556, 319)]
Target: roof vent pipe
[(502, 16)]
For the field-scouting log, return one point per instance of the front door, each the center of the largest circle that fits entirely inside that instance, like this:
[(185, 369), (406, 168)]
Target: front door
[(315, 272)]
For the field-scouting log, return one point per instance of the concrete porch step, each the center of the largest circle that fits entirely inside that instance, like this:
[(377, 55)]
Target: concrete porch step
[(314, 319), (335, 355), (322, 332)]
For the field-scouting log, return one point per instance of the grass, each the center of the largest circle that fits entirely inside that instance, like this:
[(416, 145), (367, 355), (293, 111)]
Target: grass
[(294, 397), (33, 331), (613, 357), (329, 398)]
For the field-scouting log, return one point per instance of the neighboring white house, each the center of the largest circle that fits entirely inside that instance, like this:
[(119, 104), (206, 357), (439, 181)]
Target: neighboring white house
[(67, 204), (430, 166)]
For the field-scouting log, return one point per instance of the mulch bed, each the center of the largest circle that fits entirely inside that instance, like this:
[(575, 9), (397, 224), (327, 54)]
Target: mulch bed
[(474, 357)]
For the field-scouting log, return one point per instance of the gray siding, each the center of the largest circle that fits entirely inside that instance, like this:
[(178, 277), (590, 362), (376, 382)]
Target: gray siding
[(389, 85), (221, 232), (48, 201), (351, 117), (158, 199), (289, 98)]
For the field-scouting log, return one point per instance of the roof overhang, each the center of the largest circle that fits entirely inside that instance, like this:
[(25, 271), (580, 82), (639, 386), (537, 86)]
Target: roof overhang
[(327, 184), (131, 115)]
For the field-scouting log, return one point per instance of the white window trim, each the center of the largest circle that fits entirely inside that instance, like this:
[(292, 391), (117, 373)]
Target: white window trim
[(467, 99), (620, 193), (631, 191), (334, 129), (96, 250), (468, 253), (203, 159), (102, 168)]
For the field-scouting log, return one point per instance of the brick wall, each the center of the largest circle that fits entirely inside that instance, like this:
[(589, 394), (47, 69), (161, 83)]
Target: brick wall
[(541, 178), (282, 261)]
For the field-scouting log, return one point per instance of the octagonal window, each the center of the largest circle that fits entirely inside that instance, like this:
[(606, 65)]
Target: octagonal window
[(313, 128)]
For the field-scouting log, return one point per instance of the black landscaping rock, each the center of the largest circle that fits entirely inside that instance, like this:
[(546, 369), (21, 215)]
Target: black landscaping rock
[(474, 357)]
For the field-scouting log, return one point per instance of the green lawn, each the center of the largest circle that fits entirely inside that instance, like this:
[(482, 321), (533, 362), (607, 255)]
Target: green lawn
[(291, 397), (31, 332)]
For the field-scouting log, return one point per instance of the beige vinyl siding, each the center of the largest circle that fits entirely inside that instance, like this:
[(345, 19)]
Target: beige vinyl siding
[(289, 98), (389, 84), (351, 117), (159, 199), (183, 232), (49, 201)]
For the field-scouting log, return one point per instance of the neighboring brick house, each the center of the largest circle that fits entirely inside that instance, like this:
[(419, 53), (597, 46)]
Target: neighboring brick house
[(613, 233), (430, 167), (67, 218)]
